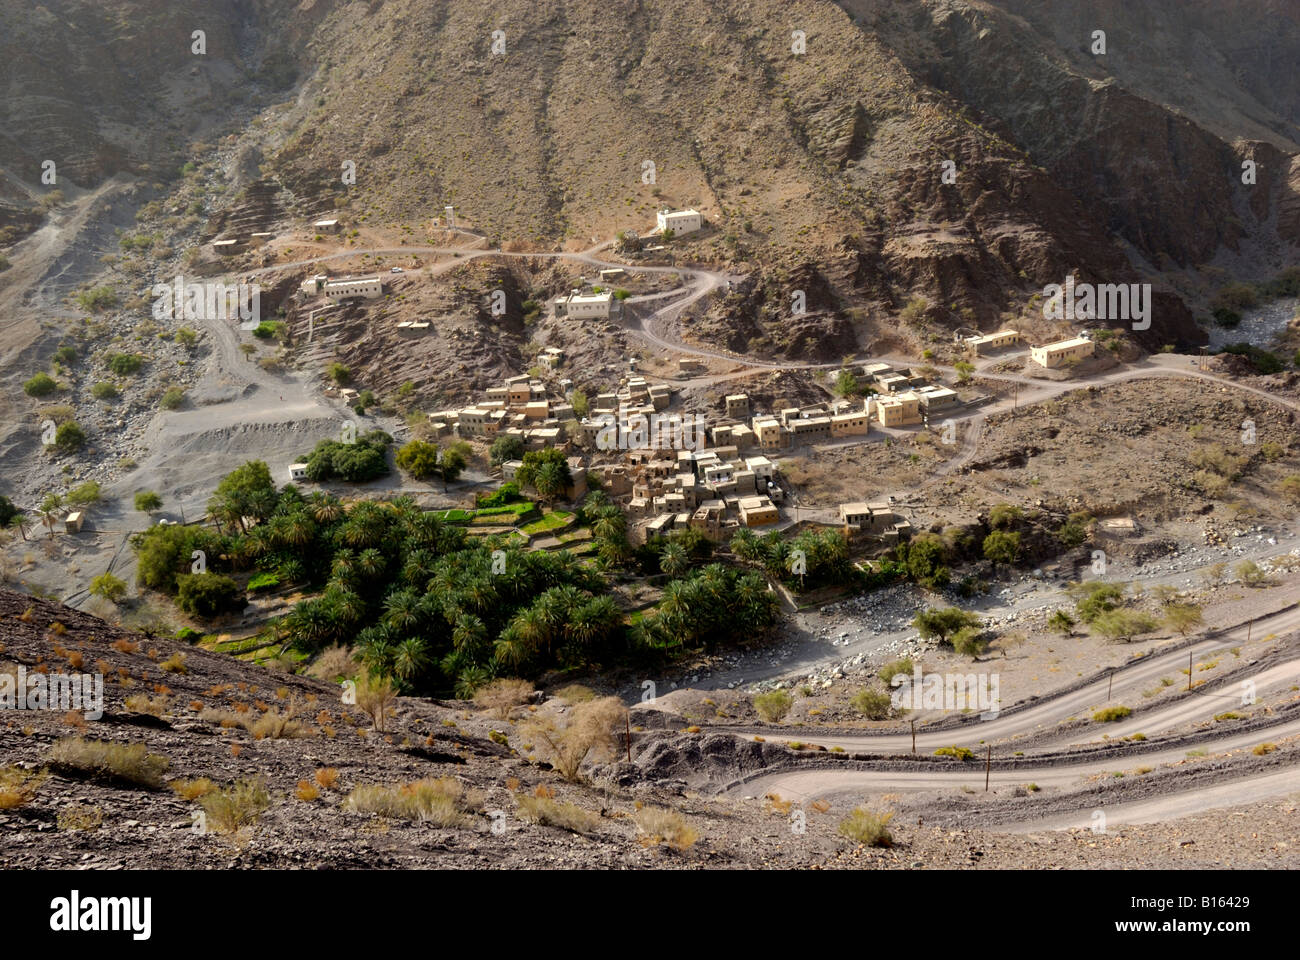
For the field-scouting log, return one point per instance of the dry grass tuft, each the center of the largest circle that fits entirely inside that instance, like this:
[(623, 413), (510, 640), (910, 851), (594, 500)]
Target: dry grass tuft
[(129, 762), (443, 802)]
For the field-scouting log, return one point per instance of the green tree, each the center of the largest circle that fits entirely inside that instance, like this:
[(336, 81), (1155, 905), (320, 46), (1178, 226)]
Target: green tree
[(207, 594), (146, 501), (1183, 617), (943, 623), (581, 405), (85, 494), (419, 459), (506, 447), (50, 508), (1002, 547), (1061, 622), (109, 587)]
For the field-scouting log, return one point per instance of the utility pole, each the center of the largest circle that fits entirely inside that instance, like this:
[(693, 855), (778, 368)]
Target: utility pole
[(988, 762), (1110, 685), (1189, 671), (627, 725), (914, 736)]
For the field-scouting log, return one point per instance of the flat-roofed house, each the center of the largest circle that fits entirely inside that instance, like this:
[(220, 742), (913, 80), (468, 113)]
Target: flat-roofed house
[(933, 399), (347, 288), (590, 306), (757, 511), (72, 522), (768, 431), (855, 424), (1053, 355), (479, 422), (738, 406), (679, 221), (327, 226), (297, 472), (992, 341), (899, 409)]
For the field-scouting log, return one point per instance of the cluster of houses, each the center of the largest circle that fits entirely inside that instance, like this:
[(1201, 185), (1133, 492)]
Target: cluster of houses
[(519, 407)]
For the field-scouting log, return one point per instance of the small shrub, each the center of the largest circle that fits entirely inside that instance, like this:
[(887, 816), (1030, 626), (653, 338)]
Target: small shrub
[(192, 789), (868, 828), (773, 705), (546, 812), (1111, 714), (960, 753), (443, 802), (327, 778), (1263, 749), (503, 695), (18, 786), (872, 704), (237, 806), (661, 825), (41, 385), (131, 763)]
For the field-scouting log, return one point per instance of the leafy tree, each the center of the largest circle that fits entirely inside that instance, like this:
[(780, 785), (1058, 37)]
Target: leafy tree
[(1122, 624), (207, 594), (581, 405), (146, 501), (1002, 547), (1183, 617), (1061, 622), (419, 459), (546, 471), (506, 447), (85, 494), (1004, 515), (943, 623), (358, 462), (124, 364), (108, 586), (1095, 598), (925, 557)]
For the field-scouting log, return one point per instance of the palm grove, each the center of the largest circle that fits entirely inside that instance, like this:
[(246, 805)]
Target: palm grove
[(437, 611)]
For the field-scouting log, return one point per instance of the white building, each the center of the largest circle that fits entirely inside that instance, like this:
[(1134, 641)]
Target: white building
[(297, 472), (347, 287), (592, 306), (326, 226), (680, 221)]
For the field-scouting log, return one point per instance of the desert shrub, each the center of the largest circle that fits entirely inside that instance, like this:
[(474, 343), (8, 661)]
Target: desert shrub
[(84, 495), (41, 385), (1124, 624), (590, 728), (146, 501), (1111, 714), (131, 763), (172, 399), (660, 825), (108, 586), (895, 667), (959, 753), (277, 725), (18, 786), (872, 704), (773, 705), (69, 436), (143, 703), (443, 802), (1094, 598), (943, 623), (575, 693), (96, 299), (865, 827), (236, 806), (338, 373), (334, 662), (192, 789), (207, 594), (327, 778), (502, 695), (375, 697), (124, 364), (547, 812)]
